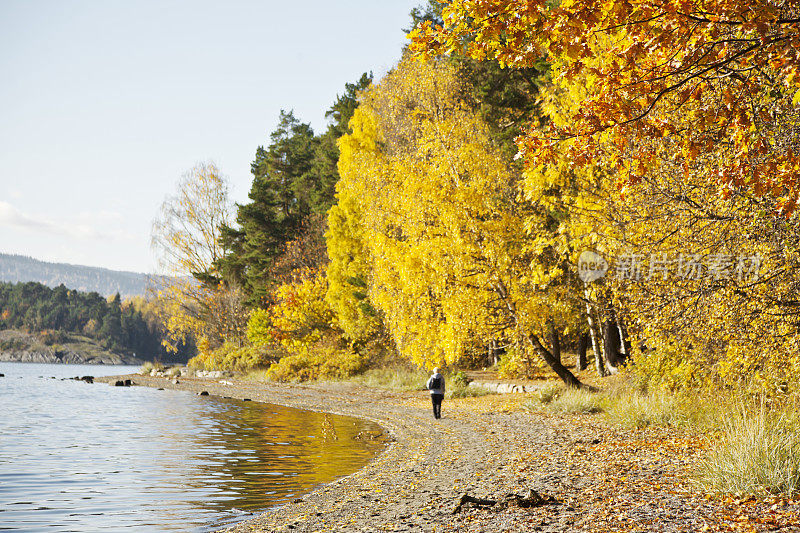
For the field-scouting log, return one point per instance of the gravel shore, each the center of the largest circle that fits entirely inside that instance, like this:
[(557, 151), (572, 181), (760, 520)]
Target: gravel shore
[(585, 475)]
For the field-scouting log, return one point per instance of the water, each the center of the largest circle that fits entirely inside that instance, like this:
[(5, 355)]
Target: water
[(81, 457)]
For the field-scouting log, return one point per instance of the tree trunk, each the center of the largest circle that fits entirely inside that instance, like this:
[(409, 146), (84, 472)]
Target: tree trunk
[(493, 352), (595, 335), (555, 341), (583, 344), (626, 342), (563, 372), (611, 345)]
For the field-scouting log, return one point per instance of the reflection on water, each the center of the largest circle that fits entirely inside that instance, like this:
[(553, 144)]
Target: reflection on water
[(78, 457)]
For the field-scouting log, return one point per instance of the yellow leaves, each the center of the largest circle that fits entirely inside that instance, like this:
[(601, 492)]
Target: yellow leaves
[(437, 210), (634, 61), (186, 232), (792, 77), (323, 361), (574, 50), (302, 315), (259, 328), (348, 272), (796, 98)]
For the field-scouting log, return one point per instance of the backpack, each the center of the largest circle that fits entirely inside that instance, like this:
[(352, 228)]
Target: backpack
[(436, 383)]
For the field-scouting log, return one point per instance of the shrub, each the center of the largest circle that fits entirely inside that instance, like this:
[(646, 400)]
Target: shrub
[(306, 330), (232, 357), (13, 345), (460, 380), (50, 337), (149, 366), (323, 362)]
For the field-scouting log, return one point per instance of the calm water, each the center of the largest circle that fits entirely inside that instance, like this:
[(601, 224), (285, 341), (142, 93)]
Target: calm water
[(80, 457)]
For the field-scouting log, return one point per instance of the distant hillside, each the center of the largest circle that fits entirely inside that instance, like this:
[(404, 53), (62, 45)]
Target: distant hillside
[(16, 268)]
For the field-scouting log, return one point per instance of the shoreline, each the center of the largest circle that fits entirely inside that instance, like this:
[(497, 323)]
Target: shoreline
[(590, 476), (17, 346)]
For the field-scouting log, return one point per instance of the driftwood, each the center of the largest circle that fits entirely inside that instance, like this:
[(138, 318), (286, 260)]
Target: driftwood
[(466, 498), (533, 499)]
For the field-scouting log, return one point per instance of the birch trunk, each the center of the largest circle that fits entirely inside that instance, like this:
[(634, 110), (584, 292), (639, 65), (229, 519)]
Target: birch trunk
[(595, 335)]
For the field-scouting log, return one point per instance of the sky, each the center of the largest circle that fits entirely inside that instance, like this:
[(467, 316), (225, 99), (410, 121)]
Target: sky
[(104, 104)]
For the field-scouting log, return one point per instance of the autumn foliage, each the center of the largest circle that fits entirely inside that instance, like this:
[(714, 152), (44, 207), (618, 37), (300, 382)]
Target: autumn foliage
[(512, 137), (682, 78), (668, 132)]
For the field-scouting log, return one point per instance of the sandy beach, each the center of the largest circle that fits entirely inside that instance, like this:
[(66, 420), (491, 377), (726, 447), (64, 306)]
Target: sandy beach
[(545, 472)]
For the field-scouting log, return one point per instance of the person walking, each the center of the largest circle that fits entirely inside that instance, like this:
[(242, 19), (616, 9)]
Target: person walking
[(436, 386)]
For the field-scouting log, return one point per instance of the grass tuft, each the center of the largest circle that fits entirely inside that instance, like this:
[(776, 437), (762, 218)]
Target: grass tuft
[(639, 411), (149, 366), (174, 372), (255, 374), (557, 398), (550, 392), (462, 391), (576, 401), (758, 453)]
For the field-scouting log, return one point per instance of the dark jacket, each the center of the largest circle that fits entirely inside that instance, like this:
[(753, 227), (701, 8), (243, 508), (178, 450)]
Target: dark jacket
[(440, 389)]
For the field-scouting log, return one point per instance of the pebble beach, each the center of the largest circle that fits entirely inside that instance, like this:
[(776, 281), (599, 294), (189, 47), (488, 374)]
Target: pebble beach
[(529, 471)]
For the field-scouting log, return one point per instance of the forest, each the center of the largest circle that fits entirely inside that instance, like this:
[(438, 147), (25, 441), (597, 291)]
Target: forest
[(129, 327), (531, 180)]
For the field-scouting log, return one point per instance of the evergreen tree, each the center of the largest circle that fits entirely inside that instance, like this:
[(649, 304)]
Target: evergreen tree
[(294, 181), (111, 332), (278, 204)]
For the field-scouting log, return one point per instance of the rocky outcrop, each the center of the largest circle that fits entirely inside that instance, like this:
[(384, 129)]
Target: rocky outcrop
[(19, 347), (67, 357)]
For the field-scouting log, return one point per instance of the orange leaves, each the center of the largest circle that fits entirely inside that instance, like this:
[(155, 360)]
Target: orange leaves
[(691, 65), (690, 150)]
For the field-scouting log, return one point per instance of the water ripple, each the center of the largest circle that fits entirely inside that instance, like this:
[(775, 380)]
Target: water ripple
[(79, 457)]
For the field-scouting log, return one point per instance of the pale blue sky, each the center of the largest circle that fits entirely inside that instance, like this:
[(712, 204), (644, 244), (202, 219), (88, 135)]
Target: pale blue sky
[(105, 103)]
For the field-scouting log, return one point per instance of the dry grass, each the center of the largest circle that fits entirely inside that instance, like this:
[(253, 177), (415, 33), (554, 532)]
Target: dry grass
[(461, 391), (758, 453), (638, 410), (149, 366), (624, 404), (392, 378), (559, 399)]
